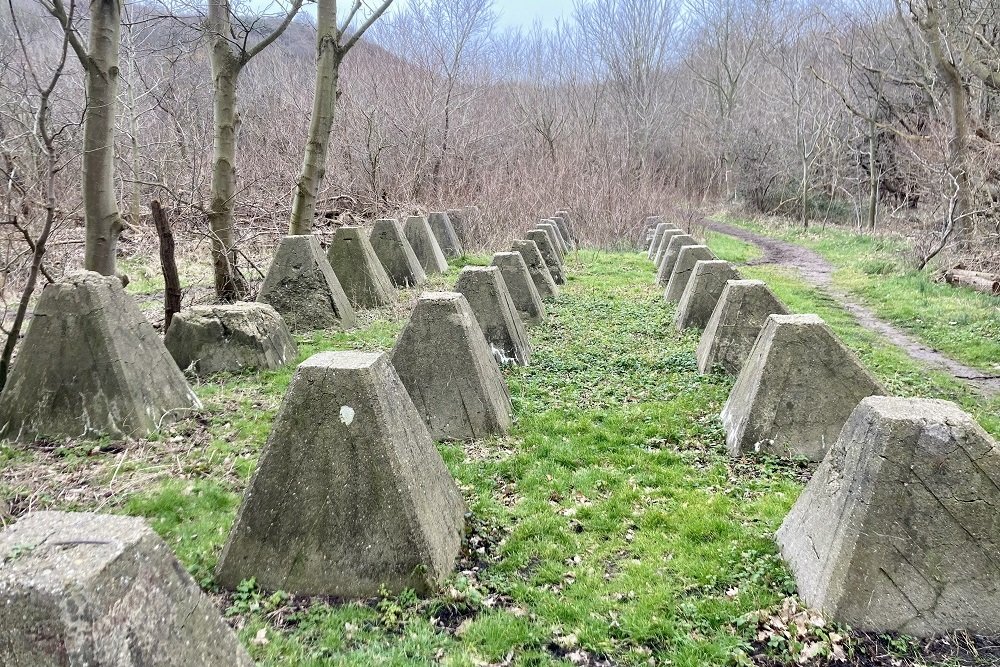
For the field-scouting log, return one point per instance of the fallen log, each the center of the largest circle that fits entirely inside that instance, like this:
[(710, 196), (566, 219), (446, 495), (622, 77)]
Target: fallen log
[(977, 280)]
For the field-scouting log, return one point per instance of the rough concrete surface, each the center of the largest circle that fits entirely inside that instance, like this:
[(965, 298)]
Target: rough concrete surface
[(393, 250), (670, 248), (445, 234), (446, 366), (521, 287), (231, 337), (537, 267), (90, 365), (563, 224), (425, 246), (798, 387), (663, 270), (654, 244), (557, 240), (683, 269), (359, 270), (702, 293), (350, 494), (899, 528), (459, 222), (82, 589), (549, 254), (735, 323), (485, 290), (303, 288)]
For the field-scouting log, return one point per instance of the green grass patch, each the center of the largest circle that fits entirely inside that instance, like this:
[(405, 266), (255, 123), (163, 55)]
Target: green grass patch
[(731, 249)]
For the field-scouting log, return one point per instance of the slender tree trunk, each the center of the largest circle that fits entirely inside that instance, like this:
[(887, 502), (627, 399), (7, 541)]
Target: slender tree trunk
[(328, 59), (955, 225), (100, 203), (872, 177), (168, 265), (229, 286)]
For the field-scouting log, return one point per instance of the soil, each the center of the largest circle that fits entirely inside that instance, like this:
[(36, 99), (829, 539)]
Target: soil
[(819, 273)]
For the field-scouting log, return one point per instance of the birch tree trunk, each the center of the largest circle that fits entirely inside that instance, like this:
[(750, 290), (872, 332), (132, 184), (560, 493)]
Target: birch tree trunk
[(328, 59), (226, 68), (330, 52), (100, 203)]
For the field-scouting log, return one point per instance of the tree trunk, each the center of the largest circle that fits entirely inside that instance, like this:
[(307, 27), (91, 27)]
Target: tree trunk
[(872, 177), (100, 203), (229, 285), (328, 59), (168, 265)]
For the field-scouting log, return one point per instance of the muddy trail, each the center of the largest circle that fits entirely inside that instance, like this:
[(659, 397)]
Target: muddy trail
[(819, 273)]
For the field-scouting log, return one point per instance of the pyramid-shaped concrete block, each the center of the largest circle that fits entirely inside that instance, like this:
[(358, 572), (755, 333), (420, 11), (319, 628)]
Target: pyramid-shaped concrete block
[(654, 243), (96, 589), (567, 232), (522, 288), (662, 277), (555, 237), (735, 323), (359, 270), (795, 392), (393, 250), (485, 290), (670, 248), (683, 270), (459, 222), (445, 234), (537, 268), (425, 246), (702, 293), (91, 365), (446, 365), (350, 494), (899, 528), (303, 288), (229, 338), (549, 255)]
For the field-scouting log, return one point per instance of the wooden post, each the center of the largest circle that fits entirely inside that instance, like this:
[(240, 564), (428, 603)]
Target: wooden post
[(171, 281)]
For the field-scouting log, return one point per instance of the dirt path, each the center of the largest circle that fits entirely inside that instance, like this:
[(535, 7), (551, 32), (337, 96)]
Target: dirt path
[(819, 273)]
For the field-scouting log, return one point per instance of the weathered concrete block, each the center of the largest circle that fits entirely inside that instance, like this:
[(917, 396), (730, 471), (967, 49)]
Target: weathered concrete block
[(445, 234), (233, 337), (557, 240), (303, 288), (735, 323), (425, 246), (683, 268), (671, 248), (446, 366), (95, 589), (90, 365), (702, 292), (522, 288), (549, 254), (654, 241), (568, 233), (485, 290), (359, 270), (795, 392), (899, 528), (537, 268), (350, 494), (459, 222), (660, 252), (393, 250)]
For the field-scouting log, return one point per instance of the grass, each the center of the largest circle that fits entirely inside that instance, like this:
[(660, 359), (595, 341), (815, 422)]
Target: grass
[(960, 322), (609, 525)]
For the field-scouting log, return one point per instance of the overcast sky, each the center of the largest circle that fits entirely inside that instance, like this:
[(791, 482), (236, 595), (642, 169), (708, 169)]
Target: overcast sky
[(526, 12)]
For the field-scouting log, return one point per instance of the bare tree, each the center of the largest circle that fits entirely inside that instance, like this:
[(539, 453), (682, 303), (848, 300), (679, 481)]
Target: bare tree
[(99, 59), (332, 44)]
